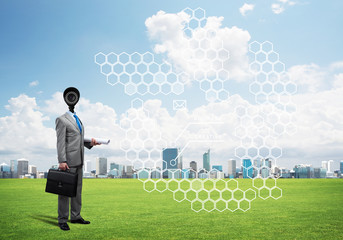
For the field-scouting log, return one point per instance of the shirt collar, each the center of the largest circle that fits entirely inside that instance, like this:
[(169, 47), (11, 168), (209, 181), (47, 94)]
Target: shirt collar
[(71, 114)]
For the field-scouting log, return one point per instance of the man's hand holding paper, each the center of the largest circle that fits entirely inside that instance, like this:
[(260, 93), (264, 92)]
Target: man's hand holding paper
[(97, 141)]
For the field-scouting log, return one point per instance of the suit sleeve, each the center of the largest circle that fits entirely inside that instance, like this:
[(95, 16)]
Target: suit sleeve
[(86, 144), (61, 130)]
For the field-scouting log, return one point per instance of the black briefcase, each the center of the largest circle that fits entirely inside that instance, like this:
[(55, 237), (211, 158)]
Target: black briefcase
[(61, 182)]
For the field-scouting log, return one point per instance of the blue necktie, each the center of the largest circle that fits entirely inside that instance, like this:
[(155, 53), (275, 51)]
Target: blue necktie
[(78, 122)]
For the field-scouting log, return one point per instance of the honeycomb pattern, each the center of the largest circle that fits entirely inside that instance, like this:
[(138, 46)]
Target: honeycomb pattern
[(197, 20), (206, 62), (143, 141), (260, 126), (206, 56), (205, 194), (272, 84), (147, 73), (140, 73), (211, 194), (258, 131)]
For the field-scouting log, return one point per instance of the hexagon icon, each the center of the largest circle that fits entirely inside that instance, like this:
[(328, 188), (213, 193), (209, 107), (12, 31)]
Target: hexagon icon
[(199, 13), (267, 47), (161, 185), (197, 205), (209, 205), (124, 58), (264, 193), (100, 58), (276, 193), (220, 205), (112, 58), (149, 185), (254, 47), (179, 195)]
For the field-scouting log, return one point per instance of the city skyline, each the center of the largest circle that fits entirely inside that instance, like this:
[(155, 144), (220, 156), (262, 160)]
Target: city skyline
[(173, 160), (334, 164)]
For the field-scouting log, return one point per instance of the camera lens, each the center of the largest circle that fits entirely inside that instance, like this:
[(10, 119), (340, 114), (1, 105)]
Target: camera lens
[(71, 97)]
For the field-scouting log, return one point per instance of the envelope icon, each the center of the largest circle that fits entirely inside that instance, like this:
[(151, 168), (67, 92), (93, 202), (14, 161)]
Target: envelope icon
[(179, 104)]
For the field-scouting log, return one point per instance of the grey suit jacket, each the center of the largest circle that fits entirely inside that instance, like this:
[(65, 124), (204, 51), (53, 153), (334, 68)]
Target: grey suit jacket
[(70, 142)]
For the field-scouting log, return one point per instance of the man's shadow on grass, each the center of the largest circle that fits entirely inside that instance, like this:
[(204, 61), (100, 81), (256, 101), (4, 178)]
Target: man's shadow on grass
[(46, 219)]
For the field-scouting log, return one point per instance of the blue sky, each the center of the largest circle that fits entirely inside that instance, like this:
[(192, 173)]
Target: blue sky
[(54, 43)]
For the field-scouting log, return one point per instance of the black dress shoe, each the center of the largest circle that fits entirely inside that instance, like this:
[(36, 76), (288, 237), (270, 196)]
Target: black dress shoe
[(81, 221), (64, 226)]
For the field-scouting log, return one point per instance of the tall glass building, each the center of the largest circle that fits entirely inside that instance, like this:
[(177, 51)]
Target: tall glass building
[(247, 168), (23, 167), (303, 171), (232, 168), (341, 166), (5, 168), (170, 160), (101, 166), (206, 160), (257, 165), (14, 168), (193, 165)]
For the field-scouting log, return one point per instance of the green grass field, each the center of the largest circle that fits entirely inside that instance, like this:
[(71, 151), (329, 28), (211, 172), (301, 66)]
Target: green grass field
[(121, 209)]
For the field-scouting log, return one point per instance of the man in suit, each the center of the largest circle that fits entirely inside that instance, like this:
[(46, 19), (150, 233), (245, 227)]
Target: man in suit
[(70, 151)]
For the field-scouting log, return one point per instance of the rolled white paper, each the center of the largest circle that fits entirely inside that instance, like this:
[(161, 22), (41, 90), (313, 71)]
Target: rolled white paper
[(98, 140)]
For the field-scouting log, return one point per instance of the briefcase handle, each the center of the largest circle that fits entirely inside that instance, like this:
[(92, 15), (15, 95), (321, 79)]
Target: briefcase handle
[(67, 170)]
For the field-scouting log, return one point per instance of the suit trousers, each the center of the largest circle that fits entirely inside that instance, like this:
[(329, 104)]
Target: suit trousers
[(75, 202)]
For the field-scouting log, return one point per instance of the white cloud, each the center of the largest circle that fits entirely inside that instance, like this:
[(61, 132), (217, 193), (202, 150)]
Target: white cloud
[(312, 78), (34, 83), (24, 132), (246, 8), (167, 31), (338, 82), (281, 5), (336, 66), (277, 8)]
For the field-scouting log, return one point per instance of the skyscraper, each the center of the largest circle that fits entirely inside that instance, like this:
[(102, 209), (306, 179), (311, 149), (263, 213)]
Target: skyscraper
[(33, 170), (265, 170), (170, 161), (325, 164), (114, 166), (193, 165), (257, 165), (129, 172), (88, 166), (101, 166), (14, 168), (330, 170), (5, 168), (206, 160), (23, 167), (232, 168), (341, 166), (247, 168), (330, 166), (5, 171)]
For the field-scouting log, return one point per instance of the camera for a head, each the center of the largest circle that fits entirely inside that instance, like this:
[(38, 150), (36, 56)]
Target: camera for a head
[(71, 96)]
